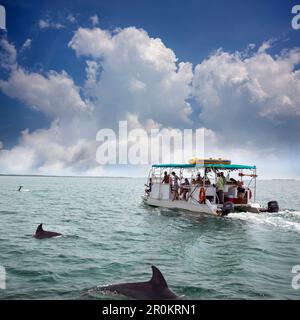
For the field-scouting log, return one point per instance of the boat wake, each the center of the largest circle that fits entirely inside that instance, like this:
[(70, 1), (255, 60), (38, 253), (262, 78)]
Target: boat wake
[(286, 220)]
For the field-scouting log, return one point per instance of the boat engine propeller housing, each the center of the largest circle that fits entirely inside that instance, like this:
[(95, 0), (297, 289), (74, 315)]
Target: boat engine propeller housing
[(228, 207), (273, 206)]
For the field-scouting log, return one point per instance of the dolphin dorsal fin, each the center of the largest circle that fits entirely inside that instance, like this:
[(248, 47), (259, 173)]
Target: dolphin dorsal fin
[(157, 278), (39, 228)]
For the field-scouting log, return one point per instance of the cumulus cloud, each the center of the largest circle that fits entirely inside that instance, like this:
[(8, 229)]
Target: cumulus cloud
[(54, 94), (71, 18), (45, 151), (8, 54), (249, 102), (139, 75), (69, 144), (254, 99), (26, 45), (91, 42), (48, 24), (95, 20)]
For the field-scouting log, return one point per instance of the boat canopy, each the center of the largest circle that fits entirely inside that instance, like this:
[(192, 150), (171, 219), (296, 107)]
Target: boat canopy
[(215, 166), (172, 165)]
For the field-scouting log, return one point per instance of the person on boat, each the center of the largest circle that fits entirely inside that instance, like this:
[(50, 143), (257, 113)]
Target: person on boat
[(223, 177), (241, 190), (220, 187), (194, 181), (207, 181), (199, 179), (166, 178), (149, 186), (233, 181), (184, 189), (175, 186)]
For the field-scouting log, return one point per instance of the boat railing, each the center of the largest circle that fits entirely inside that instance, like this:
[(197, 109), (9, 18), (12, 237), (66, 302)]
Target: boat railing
[(164, 191)]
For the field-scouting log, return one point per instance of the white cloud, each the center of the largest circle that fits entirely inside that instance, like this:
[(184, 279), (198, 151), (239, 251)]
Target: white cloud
[(71, 18), (54, 94), (26, 45), (249, 101), (8, 54), (48, 24), (92, 72), (139, 75), (44, 152), (254, 100), (69, 145), (95, 20), (266, 46), (91, 42)]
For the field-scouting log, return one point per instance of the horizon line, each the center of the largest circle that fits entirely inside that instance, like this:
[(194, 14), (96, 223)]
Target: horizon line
[(115, 177)]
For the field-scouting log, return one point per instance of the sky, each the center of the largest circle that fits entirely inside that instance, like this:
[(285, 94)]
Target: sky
[(71, 68)]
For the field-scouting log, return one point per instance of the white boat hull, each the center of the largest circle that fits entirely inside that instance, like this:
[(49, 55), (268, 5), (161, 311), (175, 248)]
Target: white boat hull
[(207, 208), (181, 204)]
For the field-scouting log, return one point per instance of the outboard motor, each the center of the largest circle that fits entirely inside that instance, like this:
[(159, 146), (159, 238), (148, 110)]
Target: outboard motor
[(228, 207), (273, 206)]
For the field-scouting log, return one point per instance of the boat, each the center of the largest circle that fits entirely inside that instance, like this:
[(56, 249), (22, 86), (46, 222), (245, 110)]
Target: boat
[(194, 187)]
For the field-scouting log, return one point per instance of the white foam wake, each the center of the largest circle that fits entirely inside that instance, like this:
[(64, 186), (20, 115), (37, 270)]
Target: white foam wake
[(285, 220)]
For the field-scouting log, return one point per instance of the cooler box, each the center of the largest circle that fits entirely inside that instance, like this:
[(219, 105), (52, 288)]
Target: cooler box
[(229, 198)]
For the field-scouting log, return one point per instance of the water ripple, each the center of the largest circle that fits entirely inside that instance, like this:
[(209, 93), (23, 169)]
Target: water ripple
[(111, 237)]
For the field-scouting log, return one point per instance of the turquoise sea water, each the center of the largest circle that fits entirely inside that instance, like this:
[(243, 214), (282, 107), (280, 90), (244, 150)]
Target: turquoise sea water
[(111, 237)]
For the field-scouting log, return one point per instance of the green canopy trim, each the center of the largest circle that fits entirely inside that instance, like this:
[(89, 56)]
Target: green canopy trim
[(215, 166)]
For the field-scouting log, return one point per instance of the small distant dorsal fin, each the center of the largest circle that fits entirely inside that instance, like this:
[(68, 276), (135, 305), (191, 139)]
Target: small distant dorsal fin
[(39, 228), (158, 279)]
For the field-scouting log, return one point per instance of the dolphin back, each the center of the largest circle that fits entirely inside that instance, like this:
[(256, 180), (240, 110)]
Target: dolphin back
[(41, 233), (39, 228), (158, 279), (154, 289), (160, 287)]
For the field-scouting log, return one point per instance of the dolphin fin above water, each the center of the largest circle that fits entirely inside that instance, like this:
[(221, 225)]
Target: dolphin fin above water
[(40, 233), (154, 289), (158, 279)]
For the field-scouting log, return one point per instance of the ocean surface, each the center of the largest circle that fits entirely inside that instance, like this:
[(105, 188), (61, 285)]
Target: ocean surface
[(111, 237)]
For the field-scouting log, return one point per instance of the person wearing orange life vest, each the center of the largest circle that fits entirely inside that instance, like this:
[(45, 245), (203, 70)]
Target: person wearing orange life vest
[(202, 196)]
